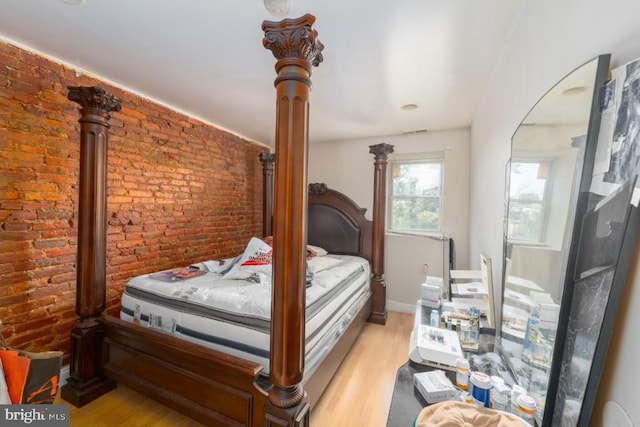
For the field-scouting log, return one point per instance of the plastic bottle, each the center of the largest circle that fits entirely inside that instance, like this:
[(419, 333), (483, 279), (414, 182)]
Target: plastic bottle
[(474, 325), (434, 320), (527, 408), (495, 380), (465, 397), (516, 391), (462, 373), (532, 334), (464, 334), (481, 389), (500, 394)]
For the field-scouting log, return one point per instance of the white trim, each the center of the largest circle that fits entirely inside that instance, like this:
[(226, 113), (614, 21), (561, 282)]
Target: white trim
[(401, 307), (64, 375), (417, 157)]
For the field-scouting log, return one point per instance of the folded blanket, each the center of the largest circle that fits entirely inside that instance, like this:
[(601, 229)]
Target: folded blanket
[(459, 414)]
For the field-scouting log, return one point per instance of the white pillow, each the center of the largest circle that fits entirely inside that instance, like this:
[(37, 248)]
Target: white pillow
[(255, 259), (318, 250), (317, 264)]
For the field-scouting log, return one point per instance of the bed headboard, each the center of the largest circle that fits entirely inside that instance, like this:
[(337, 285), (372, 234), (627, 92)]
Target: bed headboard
[(337, 224)]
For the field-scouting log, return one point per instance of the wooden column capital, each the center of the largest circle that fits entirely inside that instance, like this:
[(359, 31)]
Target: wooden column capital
[(294, 44), (381, 151), (267, 160), (94, 101)]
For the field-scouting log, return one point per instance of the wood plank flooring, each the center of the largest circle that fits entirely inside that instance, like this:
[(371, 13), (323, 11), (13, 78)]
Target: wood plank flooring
[(359, 394)]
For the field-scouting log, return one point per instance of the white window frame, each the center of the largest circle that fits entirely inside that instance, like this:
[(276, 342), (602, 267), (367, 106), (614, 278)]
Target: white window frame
[(417, 158), (546, 199)]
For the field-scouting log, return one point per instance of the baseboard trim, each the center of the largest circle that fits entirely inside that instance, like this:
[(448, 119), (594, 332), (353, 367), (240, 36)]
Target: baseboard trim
[(401, 307), (64, 375)]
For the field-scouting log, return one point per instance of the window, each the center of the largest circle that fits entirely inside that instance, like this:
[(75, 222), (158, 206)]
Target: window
[(528, 200), (415, 195)]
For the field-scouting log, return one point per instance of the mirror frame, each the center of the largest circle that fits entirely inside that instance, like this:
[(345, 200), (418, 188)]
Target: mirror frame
[(617, 208), (582, 185), (602, 74)]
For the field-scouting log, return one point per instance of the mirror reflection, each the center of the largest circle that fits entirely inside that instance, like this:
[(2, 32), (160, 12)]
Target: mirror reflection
[(543, 180)]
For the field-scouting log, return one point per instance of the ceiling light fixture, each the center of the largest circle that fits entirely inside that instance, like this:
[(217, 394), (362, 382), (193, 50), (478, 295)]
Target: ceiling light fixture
[(408, 107), (74, 2), (277, 7)]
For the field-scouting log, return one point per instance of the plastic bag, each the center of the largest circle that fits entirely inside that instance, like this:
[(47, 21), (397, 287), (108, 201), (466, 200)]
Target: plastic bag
[(30, 377)]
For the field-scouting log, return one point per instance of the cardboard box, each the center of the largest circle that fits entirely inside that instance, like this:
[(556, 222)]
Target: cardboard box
[(430, 295)]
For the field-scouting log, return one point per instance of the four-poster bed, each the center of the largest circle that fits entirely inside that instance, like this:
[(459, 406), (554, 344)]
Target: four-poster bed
[(211, 386)]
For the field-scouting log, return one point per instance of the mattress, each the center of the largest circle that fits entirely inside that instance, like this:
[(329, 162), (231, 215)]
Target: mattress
[(233, 316)]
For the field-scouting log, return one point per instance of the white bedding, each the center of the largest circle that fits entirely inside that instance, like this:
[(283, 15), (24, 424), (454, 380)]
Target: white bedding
[(233, 316)]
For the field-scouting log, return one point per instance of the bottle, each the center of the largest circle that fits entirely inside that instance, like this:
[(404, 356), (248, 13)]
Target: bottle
[(480, 389), (474, 326), (500, 394), (434, 321), (465, 334), (495, 380), (462, 373), (515, 393), (527, 408), (531, 335)]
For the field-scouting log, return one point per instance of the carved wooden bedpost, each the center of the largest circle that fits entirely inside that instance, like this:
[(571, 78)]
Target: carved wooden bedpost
[(85, 382), (267, 160), (378, 311), (294, 44)]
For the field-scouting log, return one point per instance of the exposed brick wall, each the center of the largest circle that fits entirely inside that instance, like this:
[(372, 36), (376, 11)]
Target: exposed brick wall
[(179, 191)]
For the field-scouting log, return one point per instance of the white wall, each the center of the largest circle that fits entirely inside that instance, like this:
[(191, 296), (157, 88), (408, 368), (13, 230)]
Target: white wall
[(550, 39), (347, 166)]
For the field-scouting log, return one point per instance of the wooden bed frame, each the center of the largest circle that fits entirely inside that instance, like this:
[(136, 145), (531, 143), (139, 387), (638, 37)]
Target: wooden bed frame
[(209, 386)]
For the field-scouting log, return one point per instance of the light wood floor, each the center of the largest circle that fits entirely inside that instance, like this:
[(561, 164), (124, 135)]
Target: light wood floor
[(359, 394)]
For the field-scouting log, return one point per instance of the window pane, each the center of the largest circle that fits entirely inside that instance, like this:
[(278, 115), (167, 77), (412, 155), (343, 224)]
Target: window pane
[(525, 221), (528, 181), (418, 179), (419, 214)]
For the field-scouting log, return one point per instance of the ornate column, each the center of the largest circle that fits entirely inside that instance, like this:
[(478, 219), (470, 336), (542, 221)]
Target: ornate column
[(267, 160), (85, 382), (294, 44), (378, 312)]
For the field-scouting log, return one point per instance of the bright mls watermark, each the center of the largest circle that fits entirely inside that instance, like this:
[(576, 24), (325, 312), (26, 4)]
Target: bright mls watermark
[(34, 415)]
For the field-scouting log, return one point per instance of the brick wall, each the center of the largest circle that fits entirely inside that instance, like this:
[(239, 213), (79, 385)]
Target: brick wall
[(179, 191)]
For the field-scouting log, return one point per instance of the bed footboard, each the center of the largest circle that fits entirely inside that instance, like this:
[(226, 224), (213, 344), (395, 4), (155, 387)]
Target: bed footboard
[(211, 387)]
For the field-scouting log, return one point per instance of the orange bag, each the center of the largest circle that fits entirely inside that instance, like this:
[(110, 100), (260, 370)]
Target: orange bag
[(15, 369), (31, 377)]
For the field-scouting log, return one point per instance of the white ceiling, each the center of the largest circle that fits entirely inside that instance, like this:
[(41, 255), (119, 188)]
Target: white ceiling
[(205, 57)]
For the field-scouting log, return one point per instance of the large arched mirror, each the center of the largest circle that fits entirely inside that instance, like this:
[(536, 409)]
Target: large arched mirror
[(543, 183)]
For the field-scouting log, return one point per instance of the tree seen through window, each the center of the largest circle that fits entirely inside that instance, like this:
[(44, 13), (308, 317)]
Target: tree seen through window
[(416, 193)]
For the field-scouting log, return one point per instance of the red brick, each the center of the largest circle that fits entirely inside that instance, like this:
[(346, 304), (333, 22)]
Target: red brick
[(178, 192)]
